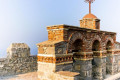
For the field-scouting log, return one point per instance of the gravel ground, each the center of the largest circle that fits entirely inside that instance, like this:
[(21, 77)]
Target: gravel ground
[(33, 76), (27, 76)]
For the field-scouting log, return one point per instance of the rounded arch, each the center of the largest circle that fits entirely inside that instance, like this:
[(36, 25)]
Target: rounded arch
[(76, 41), (96, 46), (109, 44), (77, 46), (96, 41)]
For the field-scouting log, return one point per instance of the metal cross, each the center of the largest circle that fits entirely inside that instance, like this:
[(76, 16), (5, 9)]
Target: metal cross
[(89, 1)]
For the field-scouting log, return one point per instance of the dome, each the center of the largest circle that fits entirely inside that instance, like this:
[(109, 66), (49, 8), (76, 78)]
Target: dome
[(90, 16)]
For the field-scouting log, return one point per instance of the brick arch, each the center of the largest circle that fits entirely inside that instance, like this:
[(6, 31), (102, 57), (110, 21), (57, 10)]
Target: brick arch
[(96, 37), (72, 38), (111, 40)]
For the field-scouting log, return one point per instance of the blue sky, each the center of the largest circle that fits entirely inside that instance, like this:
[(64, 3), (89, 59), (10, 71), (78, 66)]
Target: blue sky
[(25, 21)]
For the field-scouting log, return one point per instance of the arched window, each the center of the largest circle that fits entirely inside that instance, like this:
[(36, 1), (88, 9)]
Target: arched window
[(109, 45), (108, 48), (96, 45), (95, 49), (77, 46)]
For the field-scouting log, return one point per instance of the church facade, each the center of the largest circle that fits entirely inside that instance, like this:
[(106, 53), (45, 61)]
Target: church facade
[(78, 53)]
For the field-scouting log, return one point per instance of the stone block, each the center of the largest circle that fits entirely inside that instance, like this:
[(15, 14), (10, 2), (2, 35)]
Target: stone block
[(46, 67), (64, 67), (18, 50)]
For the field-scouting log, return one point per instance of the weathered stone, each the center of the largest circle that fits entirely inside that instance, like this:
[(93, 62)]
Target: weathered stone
[(18, 60), (94, 53)]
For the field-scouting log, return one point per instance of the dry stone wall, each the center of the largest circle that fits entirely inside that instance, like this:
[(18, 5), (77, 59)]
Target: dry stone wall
[(18, 60)]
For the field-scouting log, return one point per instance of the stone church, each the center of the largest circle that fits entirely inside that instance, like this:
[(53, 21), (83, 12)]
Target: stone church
[(78, 53)]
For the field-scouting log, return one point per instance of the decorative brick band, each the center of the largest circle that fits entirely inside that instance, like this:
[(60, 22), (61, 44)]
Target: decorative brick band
[(105, 53), (99, 53), (117, 52), (83, 55), (110, 52), (55, 59)]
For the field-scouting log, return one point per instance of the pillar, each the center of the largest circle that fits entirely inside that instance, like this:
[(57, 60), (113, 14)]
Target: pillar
[(83, 64), (112, 62), (99, 65)]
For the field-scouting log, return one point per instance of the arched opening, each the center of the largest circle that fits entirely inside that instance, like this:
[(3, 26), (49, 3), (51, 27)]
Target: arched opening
[(96, 45), (95, 49), (108, 61), (108, 45), (77, 47)]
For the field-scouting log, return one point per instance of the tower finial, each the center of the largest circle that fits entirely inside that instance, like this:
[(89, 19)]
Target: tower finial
[(89, 1)]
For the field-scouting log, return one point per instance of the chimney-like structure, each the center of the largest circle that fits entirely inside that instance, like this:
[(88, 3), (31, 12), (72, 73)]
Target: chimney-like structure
[(90, 21)]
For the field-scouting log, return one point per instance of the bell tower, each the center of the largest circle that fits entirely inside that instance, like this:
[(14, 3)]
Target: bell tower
[(90, 20)]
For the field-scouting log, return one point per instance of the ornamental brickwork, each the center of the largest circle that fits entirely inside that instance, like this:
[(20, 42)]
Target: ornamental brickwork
[(86, 51), (76, 46), (55, 59), (91, 23)]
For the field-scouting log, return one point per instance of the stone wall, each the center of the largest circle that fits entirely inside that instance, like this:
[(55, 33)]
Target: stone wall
[(18, 60), (117, 45), (90, 23), (92, 53)]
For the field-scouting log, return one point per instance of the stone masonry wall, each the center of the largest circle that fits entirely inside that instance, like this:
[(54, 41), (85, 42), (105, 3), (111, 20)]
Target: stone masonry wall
[(18, 60), (117, 45)]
